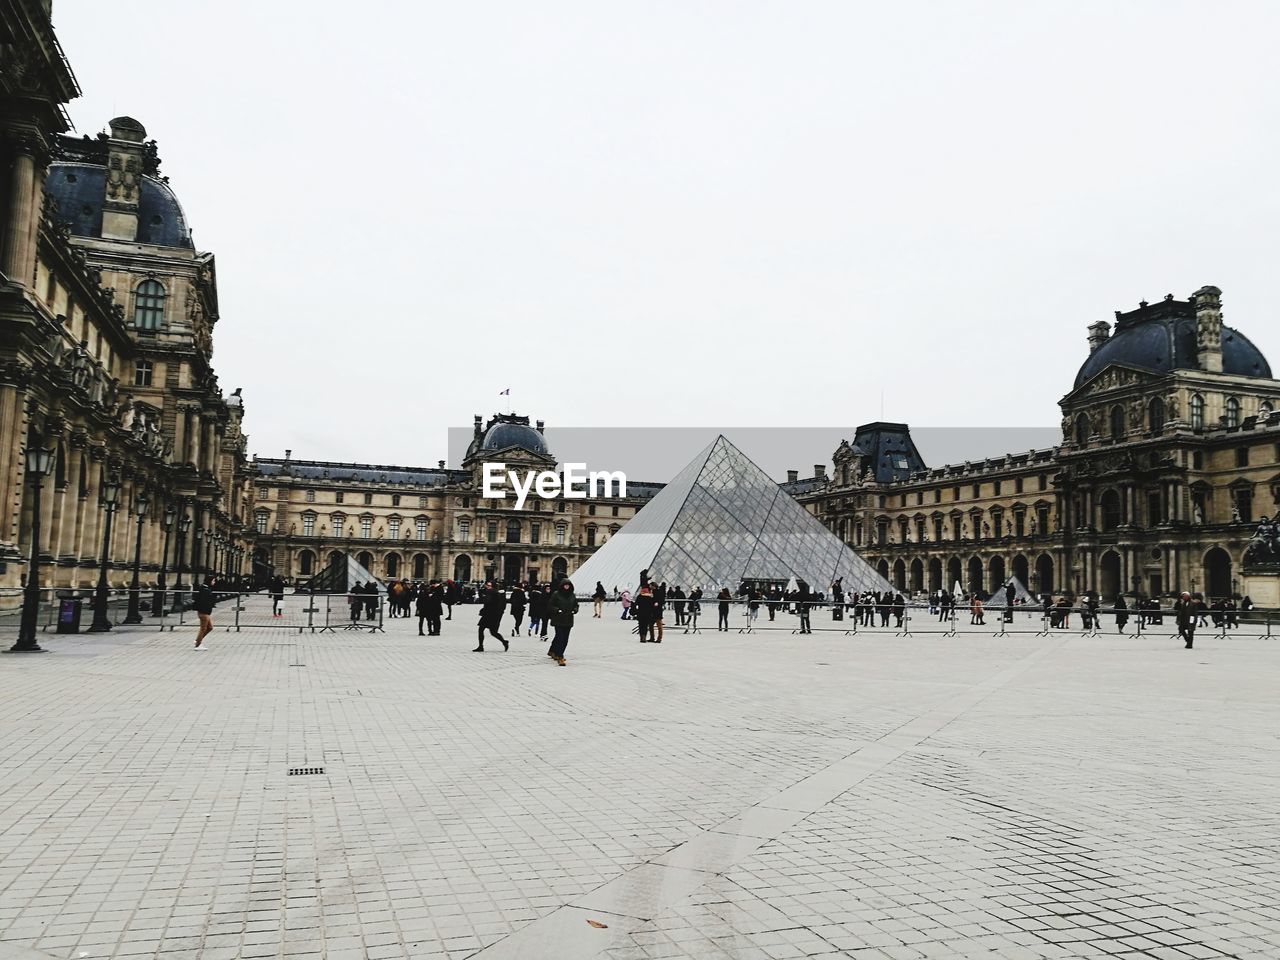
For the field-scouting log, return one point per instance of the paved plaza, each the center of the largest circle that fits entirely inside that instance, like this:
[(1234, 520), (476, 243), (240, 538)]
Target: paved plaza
[(760, 796)]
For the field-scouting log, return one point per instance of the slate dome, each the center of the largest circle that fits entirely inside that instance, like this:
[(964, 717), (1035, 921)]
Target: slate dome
[(502, 435), (80, 191), (1161, 337)]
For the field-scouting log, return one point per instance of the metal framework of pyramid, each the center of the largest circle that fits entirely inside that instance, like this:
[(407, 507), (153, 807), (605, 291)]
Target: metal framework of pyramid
[(1020, 594), (342, 573), (720, 522)]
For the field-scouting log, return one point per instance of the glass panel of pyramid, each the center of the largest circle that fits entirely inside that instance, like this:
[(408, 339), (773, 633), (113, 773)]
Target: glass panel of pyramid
[(721, 521)]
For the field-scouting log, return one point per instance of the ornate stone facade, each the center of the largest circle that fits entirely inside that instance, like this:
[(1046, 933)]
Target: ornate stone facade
[(105, 342), (1170, 453), (421, 522)]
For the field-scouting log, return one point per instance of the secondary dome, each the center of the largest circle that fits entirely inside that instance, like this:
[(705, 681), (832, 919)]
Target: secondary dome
[(1161, 337), (80, 190), (506, 430)]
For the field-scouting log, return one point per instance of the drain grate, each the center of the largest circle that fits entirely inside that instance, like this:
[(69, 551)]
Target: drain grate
[(305, 771)]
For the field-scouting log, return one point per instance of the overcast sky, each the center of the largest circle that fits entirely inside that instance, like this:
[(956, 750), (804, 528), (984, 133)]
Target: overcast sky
[(713, 214)]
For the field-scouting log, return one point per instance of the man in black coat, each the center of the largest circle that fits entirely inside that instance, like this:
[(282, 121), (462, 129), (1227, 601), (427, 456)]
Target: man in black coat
[(1185, 611), (493, 604)]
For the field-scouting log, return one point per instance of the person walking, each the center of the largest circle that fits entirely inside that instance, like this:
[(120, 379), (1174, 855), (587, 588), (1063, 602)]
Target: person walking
[(492, 606), (537, 609), (204, 613), (420, 608), (564, 604), (517, 603), (678, 605), (546, 604), (975, 611), (597, 601), (899, 609), (1122, 613), (644, 612), (435, 606), (722, 625), (277, 595), (1184, 612)]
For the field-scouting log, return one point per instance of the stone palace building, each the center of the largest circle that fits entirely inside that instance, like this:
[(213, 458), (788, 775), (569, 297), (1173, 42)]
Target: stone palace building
[(1170, 453), (107, 311)]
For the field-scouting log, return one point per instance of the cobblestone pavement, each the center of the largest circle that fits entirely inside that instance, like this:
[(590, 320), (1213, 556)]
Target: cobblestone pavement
[(757, 797)]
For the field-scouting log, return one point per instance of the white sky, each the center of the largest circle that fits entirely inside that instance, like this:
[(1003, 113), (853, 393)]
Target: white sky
[(690, 213)]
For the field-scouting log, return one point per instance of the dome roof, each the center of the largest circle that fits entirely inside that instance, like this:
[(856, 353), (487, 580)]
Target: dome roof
[(80, 190), (502, 435), (1161, 337)]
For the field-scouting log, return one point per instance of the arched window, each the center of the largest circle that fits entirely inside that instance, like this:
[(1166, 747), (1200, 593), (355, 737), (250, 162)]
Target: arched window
[(1117, 422), (1233, 411), (148, 305), (1082, 429), (1155, 416), (306, 563), (1265, 409), (1197, 412)]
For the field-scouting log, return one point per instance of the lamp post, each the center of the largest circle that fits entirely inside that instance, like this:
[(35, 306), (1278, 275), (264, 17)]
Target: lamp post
[(184, 524), (39, 463), (110, 498), (157, 602), (141, 503), (196, 567)]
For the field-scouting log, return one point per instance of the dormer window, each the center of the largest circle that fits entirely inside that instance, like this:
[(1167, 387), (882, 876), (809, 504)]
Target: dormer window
[(148, 305), (1233, 412), (1197, 412)]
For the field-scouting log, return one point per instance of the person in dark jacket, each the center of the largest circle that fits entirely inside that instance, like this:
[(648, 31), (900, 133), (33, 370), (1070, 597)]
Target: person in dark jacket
[(645, 612), (204, 612), (537, 609), (597, 600), (518, 601), (450, 597), (724, 597), (277, 595), (434, 593), (546, 606), (563, 606), (493, 605), (1122, 613), (803, 604), (899, 609), (1185, 612)]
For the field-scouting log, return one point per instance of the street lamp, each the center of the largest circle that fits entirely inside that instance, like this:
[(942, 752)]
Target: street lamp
[(184, 524), (198, 564), (157, 602), (110, 498), (39, 463), (141, 503)]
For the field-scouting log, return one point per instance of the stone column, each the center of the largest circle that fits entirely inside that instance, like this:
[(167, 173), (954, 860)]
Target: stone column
[(22, 218), (13, 427)]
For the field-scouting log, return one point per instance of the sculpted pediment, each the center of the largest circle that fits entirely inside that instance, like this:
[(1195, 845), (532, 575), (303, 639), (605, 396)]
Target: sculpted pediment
[(1116, 376)]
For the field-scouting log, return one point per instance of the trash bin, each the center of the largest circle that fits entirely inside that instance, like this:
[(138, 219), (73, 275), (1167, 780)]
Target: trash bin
[(69, 615)]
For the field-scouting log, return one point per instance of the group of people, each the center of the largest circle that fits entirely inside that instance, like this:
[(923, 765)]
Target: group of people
[(403, 596), (546, 604)]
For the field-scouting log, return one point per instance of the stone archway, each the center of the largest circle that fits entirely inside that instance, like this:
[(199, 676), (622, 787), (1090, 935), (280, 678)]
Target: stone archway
[(916, 582), (1217, 574), (935, 574), (996, 575), (462, 569), (1020, 570), (955, 571), (974, 582), (1044, 574), (882, 568), (899, 575), (1110, 578)]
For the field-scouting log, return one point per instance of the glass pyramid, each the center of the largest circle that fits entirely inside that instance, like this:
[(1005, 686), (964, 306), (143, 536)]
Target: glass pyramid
[(720, 522)]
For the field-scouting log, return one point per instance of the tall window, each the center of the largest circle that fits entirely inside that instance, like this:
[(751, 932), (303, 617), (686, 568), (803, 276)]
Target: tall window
[(339, 521), (491, 531), (420, 525), (513, 531), (1197, 412), (260, 521), (308, 524), (393, 528), (1082, 429), (560, 531), (535, 532), (142, 373), (366, 527), (1155, 416), (1233, 412), (1117, 422), (591, 536), (464, 528), (148, 305)]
